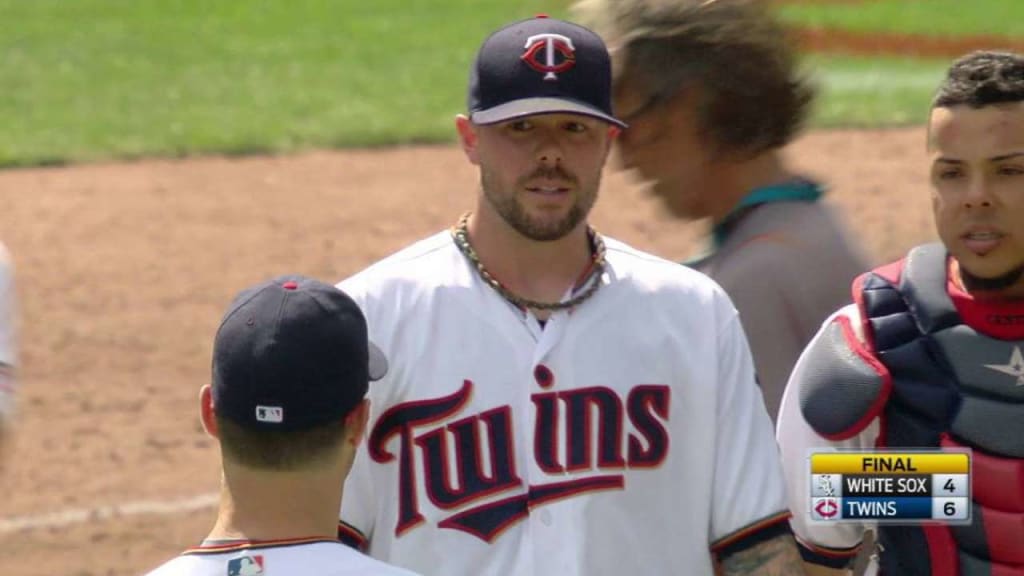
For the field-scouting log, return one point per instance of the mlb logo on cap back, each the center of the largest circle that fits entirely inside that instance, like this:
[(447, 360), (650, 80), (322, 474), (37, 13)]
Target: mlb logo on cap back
[(274, 414), (541, 66)]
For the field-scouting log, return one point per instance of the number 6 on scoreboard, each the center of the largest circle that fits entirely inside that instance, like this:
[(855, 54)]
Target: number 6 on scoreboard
[(949, 508)]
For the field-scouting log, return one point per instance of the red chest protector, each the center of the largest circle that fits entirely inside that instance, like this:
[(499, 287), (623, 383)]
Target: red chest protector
[(955, 377)]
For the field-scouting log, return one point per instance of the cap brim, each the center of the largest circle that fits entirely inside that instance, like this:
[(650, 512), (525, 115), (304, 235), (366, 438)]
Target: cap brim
[(532, 106), (378, 365)]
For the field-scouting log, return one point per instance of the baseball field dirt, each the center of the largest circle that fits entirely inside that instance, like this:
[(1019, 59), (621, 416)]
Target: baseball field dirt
[(124, 270)]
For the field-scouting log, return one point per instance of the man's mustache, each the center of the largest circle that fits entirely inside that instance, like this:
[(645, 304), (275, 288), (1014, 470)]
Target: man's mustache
[(551, 173)]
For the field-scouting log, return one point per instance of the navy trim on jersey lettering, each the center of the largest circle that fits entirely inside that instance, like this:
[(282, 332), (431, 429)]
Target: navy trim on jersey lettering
[(578, 403), (473, 482), (472, 459), (488, 521), (643, 402)]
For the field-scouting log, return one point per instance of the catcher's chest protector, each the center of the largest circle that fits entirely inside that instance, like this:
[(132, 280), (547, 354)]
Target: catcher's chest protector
[(947, 390)]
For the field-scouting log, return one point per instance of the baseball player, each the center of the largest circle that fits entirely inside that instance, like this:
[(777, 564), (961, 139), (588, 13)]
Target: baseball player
[(713, 93), (930, 354), (559, 403), (8, 351), (291, 365)]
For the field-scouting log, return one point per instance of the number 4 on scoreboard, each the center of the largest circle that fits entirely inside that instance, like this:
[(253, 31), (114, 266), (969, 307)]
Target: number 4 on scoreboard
[(949, 486)]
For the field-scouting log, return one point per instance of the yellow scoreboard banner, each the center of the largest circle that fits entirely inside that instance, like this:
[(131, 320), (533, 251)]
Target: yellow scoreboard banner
[(890, 463)]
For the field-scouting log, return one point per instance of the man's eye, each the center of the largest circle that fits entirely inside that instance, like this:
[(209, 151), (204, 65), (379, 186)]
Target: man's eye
[(949, 174), (521, 126), (576, 127), (1010, 170)]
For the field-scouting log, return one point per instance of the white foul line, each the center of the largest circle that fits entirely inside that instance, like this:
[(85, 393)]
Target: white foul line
[(74, 516)]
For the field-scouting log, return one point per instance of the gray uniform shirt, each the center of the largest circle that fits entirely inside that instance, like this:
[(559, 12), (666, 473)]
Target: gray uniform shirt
[(786, 266)]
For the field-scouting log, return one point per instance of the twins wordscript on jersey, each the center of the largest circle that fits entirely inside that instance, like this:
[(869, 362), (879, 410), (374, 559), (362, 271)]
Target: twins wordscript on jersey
[(432, 432)]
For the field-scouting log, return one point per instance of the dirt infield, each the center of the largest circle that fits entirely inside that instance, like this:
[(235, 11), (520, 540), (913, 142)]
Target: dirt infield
[(124, 269)]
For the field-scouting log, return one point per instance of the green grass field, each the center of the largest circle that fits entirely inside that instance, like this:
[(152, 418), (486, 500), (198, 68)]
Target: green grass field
[(85, 80), (933, 17), (90, 79), (866, 92)]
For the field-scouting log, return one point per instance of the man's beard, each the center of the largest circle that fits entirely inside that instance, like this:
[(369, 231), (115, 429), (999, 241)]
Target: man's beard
[(516, 216), (1002, 282)]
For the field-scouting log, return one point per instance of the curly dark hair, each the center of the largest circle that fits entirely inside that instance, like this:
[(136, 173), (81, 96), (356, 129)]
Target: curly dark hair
[(981, 79), (752, 95)]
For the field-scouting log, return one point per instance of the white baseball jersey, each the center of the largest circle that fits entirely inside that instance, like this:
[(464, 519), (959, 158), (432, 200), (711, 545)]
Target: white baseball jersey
[(625, 437), (8, 331), (797, 439), (298, 557)]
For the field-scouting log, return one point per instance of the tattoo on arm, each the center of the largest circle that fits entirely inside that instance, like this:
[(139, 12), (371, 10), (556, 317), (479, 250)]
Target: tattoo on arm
[(775, 557)]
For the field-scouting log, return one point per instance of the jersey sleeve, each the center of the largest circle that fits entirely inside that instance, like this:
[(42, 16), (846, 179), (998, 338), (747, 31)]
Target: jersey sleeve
[(8, 336), (748, 502), (828, 544)]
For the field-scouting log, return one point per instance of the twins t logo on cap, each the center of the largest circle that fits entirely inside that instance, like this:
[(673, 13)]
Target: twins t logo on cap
[(548, 47)]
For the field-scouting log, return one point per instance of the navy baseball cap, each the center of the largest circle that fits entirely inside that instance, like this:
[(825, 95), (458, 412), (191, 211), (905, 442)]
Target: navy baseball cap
[(541, 66), (291, 354)]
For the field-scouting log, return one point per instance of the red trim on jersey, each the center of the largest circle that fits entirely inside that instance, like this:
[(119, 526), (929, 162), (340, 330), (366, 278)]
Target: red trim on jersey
[(235, 545), (1001, 319), (878, 404), (750, 530)]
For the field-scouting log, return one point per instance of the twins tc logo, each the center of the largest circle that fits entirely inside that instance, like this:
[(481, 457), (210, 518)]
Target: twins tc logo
[(551, 54)]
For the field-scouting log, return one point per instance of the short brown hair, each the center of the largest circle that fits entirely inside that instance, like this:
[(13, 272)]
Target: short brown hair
[(752, 95), (981, 79), (278, 450)]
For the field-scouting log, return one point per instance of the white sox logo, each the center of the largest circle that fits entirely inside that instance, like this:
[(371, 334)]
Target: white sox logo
[(550, 46), (567, 424)]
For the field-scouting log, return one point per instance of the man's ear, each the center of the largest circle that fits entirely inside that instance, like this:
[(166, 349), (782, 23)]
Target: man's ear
[(468, 137), (207, 414), (355, 422)]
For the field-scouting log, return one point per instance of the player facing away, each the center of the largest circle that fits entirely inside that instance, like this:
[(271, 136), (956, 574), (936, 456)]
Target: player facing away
[(559, 403), (8, 342), (930, 354), (291, 365), (712, 93)]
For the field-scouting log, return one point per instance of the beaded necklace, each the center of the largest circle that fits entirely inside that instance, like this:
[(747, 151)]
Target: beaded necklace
[(460, 234)]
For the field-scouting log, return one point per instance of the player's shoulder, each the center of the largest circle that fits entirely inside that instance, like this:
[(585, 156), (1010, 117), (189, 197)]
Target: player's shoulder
[(350, 562), (655, 272), (841, 385), (655, 277), (425, 262)]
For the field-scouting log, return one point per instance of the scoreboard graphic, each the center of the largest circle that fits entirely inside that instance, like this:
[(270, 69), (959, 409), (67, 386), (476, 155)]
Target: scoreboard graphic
[(904, 487)]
